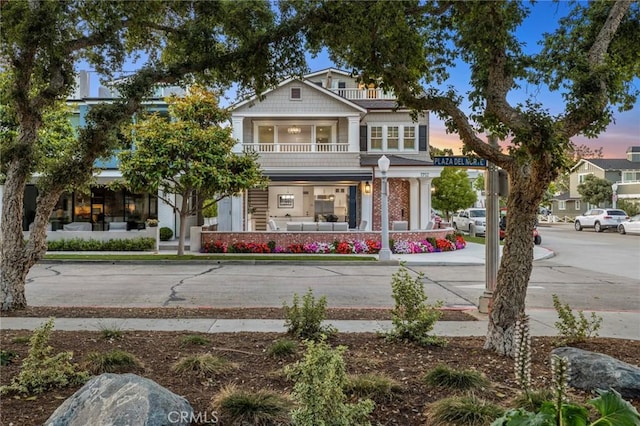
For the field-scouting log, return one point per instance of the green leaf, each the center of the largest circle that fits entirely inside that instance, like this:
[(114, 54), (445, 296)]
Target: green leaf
[(614, 410)]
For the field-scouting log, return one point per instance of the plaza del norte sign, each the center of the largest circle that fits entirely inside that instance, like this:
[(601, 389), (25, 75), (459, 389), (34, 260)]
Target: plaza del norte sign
[(459, 161)]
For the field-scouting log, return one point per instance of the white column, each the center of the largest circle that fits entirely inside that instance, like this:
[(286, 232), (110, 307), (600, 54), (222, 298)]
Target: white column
[(166, 217), (425, 202), (415, 221), (237, 125), (237, 214), (354, 133), (366, 208)]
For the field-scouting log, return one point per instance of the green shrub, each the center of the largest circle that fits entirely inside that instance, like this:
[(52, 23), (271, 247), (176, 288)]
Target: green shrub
[(41, 371), (204, 365), (211, 209), (574, 328), (111, 333), (20, 339), (412, 318), (320, 379), (533, 400), (305, 322), (6, 357), (114, 361), (117, 244), (467, 410), (461, 380), (375, 386), (194, 339), (241, 407), (165, 234), (282, 348)]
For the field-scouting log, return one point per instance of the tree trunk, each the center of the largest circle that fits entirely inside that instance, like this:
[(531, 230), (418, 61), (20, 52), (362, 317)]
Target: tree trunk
[(516, 265)]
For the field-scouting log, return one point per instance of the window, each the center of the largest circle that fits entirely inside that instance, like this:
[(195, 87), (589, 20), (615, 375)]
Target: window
[(582, 177), (630, 176), (562, 205), (577, 204), (409, 138), (376, 137), (392, 137), (296, 93)]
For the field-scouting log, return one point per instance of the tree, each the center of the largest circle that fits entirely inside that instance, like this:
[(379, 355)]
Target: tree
[(217, 43), (189, 153), (452, 191), (595, 190), (479, 184), (439, 152), (412, 46)]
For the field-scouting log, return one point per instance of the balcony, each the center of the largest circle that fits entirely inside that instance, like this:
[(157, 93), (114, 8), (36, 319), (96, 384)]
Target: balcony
[(363, 94), (296, 147)]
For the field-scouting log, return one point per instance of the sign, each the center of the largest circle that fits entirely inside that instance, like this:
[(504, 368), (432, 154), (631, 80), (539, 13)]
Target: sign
[(459, 161)]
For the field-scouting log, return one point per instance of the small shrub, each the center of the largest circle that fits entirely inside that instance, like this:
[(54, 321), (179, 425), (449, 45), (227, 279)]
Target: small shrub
[(204, 365), (460, 380), (533, 400), (111, 333), (165, 234), (320, 379), (194, 339), (7, 357), (412, 318), (574, 328), (262, 407), (41, 371), (115, 361), (467, 410), (375, 386), (282, 348), (20, 339), (117, 244), (305, 322)]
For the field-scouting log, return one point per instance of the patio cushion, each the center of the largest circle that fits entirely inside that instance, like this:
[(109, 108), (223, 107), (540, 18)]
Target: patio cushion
[(117, 226), (340, 226), (309, 226), (325, 226), (294, 226)]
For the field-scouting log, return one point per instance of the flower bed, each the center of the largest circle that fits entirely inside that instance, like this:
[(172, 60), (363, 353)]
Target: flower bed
[(429, 245)]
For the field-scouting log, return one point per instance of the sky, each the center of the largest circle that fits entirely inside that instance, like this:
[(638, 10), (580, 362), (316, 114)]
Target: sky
[(621, 134)]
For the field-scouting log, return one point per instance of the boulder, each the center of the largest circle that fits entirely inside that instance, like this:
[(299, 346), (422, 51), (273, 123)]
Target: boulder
[(122, 399), (591, 370)]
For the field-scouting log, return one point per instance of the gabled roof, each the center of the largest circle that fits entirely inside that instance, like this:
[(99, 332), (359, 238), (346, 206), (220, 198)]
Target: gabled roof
[(307, 83), (326, 70), (564, 197), (610, 164)]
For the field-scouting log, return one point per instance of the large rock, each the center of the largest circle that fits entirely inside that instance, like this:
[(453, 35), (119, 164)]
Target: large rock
[(122, 399), (590, 370)]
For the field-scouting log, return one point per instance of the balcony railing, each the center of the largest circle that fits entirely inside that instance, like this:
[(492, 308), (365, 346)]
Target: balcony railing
[(355, 94), (296, 147)]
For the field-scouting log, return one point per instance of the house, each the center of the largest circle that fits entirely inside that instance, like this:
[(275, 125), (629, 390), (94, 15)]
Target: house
[(319, 138), (623, 173)]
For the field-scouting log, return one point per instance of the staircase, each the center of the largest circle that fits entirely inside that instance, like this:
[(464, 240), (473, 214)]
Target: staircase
[(258, 199)]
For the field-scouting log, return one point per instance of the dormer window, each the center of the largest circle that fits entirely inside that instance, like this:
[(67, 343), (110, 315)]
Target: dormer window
[(295, 94)]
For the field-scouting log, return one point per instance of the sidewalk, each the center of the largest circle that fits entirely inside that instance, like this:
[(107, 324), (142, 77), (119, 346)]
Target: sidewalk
[(615, 324)]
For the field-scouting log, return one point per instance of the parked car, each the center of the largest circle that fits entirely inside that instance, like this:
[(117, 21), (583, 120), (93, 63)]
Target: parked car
[(600, 219), (630, 226), (469, 219), (537, 239)]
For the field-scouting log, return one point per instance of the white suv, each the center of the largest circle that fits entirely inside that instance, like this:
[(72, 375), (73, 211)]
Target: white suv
[(471, 219), (600, 219)]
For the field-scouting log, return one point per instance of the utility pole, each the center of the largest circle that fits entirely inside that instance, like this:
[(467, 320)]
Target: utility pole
[(492, 237)]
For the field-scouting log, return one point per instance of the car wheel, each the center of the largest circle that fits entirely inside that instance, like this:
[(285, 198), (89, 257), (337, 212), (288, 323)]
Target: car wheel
[(597, 227), (621, 229), (577, 226), (537, 240)]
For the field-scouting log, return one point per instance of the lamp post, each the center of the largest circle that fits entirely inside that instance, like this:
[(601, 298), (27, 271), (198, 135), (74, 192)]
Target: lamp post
[(385, 252), (614, 196)]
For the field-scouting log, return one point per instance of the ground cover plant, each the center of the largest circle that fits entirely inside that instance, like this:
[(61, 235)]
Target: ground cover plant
[(405, 363)]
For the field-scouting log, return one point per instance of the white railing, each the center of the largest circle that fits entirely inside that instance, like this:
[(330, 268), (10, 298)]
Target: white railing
[(296, 147), (364, 93)]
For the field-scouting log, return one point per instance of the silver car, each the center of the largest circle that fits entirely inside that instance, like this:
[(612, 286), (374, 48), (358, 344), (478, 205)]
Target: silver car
[(600, 219), (631, 226)]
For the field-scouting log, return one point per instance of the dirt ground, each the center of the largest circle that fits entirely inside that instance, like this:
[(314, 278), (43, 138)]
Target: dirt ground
[(367, 353)]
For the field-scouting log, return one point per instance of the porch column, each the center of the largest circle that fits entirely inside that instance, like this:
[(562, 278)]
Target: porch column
[(237, 125), (366, 208), (414, 204), (354, 133), (425, 202)]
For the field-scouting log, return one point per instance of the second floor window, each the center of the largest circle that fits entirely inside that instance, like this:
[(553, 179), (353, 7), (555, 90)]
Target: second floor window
[(392, 138)]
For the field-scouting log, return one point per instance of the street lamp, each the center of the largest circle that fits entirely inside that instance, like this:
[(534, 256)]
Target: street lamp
[(614, 196), (385, 253)]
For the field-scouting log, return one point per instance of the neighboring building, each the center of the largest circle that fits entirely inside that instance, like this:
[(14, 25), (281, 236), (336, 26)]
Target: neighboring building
[(96, 210), (319, 139), (623, 172)]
